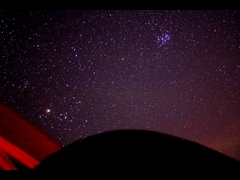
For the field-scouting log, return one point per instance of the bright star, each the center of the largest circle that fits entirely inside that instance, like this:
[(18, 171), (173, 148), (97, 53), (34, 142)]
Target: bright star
[(163, 38)]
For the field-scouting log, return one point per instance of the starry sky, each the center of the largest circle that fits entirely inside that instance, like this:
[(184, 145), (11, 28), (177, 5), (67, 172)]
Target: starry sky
[(76, 73)]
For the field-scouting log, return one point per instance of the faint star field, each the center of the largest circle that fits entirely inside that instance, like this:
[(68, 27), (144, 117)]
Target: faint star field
[(76, 73)]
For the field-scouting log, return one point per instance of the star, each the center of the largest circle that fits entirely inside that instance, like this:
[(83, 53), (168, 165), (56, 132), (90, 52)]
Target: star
[(163, 39), (87, 72)]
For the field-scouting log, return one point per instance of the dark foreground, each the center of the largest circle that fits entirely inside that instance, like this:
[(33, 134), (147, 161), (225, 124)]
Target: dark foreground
[(138, 151)]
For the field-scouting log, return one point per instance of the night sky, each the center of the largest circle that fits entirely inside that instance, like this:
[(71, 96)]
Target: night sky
[(77, 73)]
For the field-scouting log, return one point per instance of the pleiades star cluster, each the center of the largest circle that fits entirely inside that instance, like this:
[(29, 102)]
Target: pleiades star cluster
[(76, 73)]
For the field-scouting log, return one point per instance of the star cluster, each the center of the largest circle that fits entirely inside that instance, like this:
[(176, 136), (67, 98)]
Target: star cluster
[(76, 73)]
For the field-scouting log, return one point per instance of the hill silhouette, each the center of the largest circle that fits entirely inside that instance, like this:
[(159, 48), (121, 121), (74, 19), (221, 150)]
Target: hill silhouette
[(138, 150)]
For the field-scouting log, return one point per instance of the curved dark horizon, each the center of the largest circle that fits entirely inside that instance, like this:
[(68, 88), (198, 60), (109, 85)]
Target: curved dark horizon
[(138, 150)]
